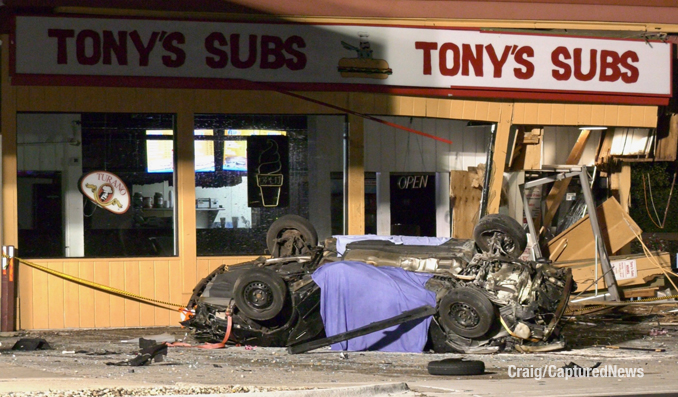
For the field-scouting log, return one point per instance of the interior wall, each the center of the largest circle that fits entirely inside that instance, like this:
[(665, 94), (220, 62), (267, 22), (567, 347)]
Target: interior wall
[(388, 149), (52, 142), (559, 141)]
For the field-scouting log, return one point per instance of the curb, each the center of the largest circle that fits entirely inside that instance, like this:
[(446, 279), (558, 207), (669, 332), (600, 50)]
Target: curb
[(353, 391)]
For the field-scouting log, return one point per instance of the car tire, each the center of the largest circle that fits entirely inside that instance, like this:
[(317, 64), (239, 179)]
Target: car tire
[(260, 294), (291, 235), (504, 230), (466, 312), (456, 366)]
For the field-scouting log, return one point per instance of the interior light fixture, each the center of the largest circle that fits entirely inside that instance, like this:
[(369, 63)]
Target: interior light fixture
[(593, 128)]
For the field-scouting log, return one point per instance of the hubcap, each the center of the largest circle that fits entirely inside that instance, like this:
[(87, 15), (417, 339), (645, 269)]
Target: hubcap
[(258, 295), (464, 315)]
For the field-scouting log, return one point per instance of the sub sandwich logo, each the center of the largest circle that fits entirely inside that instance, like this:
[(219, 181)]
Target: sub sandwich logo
[(106, 190), (363, 66)]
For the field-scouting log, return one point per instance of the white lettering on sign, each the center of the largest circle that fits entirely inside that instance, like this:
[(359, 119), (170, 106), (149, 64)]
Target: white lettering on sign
[(413, 182), (310, 55), (624, 269)]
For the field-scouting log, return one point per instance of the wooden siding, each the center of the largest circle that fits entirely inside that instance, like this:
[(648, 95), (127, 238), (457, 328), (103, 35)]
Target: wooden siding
[(584, 115), (49, 302)]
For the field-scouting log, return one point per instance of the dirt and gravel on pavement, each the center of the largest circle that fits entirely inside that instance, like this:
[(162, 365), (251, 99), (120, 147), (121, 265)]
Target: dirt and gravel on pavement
[(77, 361)]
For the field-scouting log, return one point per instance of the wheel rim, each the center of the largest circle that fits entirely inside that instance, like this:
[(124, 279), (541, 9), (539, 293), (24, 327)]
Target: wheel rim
[(464, 315), (258, 295)]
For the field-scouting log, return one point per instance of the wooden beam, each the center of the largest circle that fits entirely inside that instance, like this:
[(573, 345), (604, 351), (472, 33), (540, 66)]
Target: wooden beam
[(185, 203), (10, 232), (499, 158), (559, 188), (356, 176), (465, 204)]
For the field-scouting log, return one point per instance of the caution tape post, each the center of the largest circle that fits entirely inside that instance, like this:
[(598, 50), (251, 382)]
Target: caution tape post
[(8, 296)]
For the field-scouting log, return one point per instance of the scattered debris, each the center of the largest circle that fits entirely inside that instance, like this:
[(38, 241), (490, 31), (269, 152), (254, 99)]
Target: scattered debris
[(146, 356), (631, 348), (31, 344), (579, 370), (162, 338), (658, 331)]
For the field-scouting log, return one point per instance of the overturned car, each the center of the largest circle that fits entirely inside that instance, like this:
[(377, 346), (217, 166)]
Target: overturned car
[(484, 298)]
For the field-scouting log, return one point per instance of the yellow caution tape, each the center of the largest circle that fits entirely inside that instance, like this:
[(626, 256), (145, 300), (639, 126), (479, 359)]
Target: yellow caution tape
[(94, 285)]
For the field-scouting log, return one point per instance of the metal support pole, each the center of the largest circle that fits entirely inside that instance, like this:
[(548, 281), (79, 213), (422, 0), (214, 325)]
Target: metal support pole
[(530, 226), (8, 298), (608, 275)]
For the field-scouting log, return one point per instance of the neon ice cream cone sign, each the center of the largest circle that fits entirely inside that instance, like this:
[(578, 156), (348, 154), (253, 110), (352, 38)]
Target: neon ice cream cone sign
[(269, 178)]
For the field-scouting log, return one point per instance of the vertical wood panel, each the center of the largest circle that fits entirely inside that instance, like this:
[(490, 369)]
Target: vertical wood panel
[(611, 115), (55, 301), (519, 113), (10, 233), (544, 112), (498, 160), (356, 176), (202, 267), (102, 300), (36, 96), (571, 115), (558, 113), (71, 297), (406, 106), (584, 116), (482, 110), (432, 107), (419, 107), (598, 114), (117, 280), (185, 190), (444, 108), (651, 115), (86, 295), (457, 109), (162, 285), (132, 284), (25, 294), (146, 288), (469, 111), (175, 288), (40, 300), (364, 103), (637, 116), (383, 104)]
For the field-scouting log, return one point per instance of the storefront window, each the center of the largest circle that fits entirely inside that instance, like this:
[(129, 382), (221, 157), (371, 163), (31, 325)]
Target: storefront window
[(262, 167), (95, 185)]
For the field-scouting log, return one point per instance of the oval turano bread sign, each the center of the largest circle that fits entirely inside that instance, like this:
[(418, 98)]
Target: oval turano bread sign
[(106, 190)]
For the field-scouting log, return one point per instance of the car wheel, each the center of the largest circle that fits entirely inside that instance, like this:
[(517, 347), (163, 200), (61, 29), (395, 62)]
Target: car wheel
[(291, 235), (456, 366), (260, 294), (466, 312), (498, 233)]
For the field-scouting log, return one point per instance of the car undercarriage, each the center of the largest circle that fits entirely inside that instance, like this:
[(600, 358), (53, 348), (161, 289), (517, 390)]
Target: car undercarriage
[(487, 299)]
